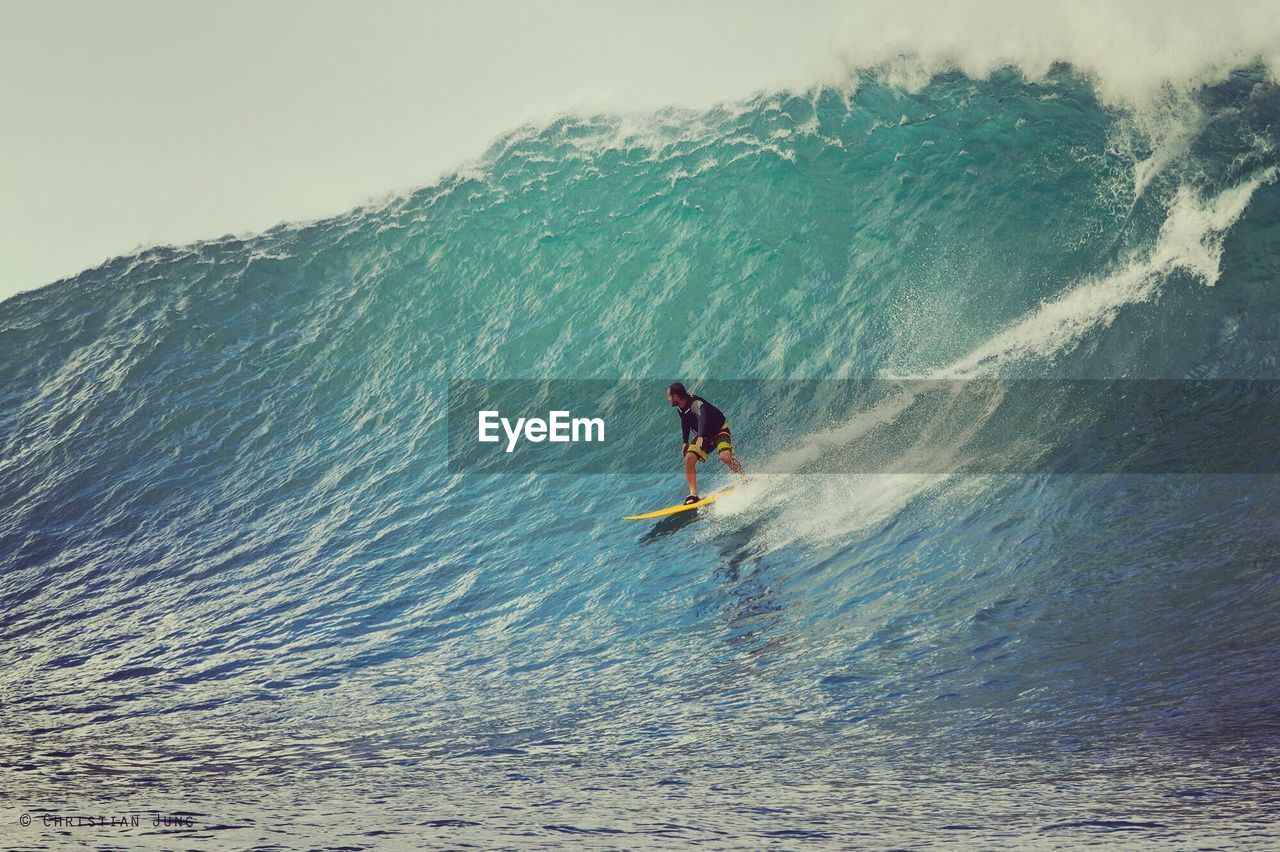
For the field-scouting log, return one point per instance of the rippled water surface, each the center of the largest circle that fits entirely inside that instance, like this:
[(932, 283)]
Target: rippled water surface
[(239, 584)]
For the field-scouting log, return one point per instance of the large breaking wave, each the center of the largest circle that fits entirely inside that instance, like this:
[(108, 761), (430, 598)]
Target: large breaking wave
[(239, 580)]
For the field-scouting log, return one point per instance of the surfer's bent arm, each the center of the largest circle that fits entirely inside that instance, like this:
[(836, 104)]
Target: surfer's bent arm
[(704, 424), (697, 414)]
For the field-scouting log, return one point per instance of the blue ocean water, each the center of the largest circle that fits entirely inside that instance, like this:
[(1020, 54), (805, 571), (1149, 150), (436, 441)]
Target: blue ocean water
[(239, 582)]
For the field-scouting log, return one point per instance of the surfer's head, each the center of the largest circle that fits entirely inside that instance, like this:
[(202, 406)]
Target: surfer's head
[(678, 396)]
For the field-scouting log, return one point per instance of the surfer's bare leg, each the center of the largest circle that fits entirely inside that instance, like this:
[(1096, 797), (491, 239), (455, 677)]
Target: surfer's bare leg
[(731, 460), (691, 472)]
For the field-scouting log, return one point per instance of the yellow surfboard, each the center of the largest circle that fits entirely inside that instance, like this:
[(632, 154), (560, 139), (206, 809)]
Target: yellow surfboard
[(674, 510)]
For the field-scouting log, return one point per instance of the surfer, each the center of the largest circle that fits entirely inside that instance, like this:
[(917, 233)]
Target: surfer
[(709, 427)]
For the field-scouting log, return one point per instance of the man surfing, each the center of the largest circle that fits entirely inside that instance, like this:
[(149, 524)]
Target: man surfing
[(709, 427)]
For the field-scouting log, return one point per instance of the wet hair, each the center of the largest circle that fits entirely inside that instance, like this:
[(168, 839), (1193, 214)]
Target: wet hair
[(677, 388)]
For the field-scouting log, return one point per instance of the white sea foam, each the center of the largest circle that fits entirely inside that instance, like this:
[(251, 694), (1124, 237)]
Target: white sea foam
[(1134, 50), (812, 508), (1190, 240)]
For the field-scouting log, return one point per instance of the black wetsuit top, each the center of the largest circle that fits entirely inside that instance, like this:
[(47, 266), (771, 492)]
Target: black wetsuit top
[(701, 417)]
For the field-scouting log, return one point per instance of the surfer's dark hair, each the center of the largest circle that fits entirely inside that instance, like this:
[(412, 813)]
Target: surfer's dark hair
[(677, 388)]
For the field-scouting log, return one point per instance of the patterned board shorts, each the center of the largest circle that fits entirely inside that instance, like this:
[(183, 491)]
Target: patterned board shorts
[(722, 443)]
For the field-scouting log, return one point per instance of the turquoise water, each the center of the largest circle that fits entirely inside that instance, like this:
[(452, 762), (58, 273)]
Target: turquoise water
[(240, 581)]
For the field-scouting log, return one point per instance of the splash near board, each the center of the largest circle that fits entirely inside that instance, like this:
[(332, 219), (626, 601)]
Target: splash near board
[(673, 510)]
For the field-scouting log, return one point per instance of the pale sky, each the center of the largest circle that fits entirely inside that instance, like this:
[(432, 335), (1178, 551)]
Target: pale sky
[(144, 123), (130, 123)]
